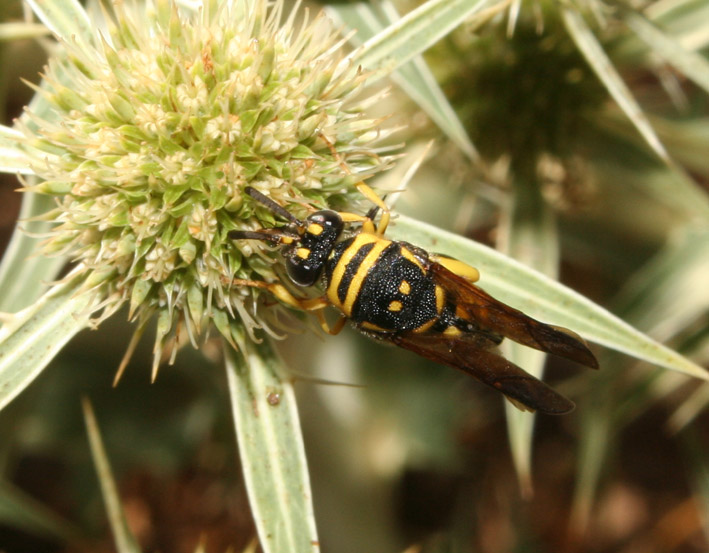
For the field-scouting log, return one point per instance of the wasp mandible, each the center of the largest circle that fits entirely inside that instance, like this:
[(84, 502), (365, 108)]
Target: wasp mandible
[(398, 293)]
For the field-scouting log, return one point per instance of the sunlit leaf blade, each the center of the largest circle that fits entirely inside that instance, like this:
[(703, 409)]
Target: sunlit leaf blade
[(271, 450), (12, 159), (415, 32), (648, 301), (122, 536), (654, 296), (544, 298), (528, 233), (520, 424), (414, 77), (669, 185), (596, 427), (688, 140), (603, 67), (696, 452), (513, 16), (691, 64), (685, 20), (24, 274), (21, 511), (690, 408), (32, 337), (65, 18), (657, 300), (16, 31)]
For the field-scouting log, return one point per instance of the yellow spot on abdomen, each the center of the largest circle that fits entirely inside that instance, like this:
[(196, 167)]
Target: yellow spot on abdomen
[(404, 287), (303, 253), (395, 306), (440, 299), (425, 326), (452, 331)]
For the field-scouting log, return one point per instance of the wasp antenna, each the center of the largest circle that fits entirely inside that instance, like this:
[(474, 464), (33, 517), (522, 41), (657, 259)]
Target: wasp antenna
[(273, 206), (275, 237)]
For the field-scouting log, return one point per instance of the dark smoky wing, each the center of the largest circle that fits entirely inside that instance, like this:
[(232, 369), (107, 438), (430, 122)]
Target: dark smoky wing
[(525, 391), (490, 313)]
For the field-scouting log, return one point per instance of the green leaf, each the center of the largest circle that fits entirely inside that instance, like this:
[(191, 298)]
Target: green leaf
[(20, 510), (688, 141), (23, 274), (693, 65), (528, 233), (544, 298), (66, 19), (271, 449), (626, 160), (695, 404), (696, 451), (16, 31), (667, 297), (30, 339), (603, 67), (685, 20), (415, 33), (596, 427), (12, 158), (414, 77), (656, 300), (122, 536)]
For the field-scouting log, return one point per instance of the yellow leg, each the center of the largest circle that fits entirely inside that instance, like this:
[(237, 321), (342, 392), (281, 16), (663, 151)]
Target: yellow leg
[(274, 288), (364, 189), (336, 328), (282, 293), (367, 223), (371, 195), (317, 305), (471, 274)]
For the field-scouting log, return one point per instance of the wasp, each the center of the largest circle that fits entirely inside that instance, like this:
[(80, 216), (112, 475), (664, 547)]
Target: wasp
[(400, 294)]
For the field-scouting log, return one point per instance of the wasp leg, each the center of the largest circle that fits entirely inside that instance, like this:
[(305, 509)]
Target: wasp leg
[(372, 196), (364, 189), (334, 329), (279, 291), (471, 274), (367, 223), (317, 305)]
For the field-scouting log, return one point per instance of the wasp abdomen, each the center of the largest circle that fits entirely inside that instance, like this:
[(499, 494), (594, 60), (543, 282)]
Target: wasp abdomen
[(380, 285)]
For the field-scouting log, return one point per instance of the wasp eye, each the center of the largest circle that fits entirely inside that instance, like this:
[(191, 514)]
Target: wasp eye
[(326, 217)]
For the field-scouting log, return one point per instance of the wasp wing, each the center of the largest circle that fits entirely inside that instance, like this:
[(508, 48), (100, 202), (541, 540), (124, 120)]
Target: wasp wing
[(476, 305), (466, 354)]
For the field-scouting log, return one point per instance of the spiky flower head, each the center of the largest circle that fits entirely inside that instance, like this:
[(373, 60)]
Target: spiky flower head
[(157, 126)]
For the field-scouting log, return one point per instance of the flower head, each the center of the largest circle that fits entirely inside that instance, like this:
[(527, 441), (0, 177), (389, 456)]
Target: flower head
[(155, 130)]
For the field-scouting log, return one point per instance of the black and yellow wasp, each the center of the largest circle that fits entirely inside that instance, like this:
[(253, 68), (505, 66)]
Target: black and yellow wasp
[(398, 293)]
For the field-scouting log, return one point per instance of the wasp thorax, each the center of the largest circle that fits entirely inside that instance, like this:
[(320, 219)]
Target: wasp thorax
[(306, 259)]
